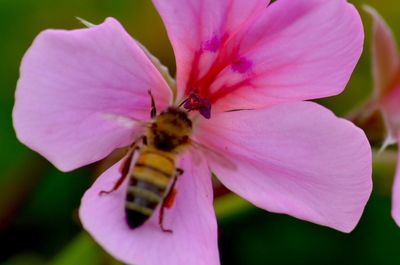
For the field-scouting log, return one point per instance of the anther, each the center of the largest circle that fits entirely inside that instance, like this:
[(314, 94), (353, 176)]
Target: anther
[(196, 102)]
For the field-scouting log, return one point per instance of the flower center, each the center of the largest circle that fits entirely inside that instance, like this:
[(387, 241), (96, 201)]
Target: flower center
[(226, 72)]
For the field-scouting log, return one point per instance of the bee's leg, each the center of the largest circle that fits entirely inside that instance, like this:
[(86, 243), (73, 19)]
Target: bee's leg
[(153, 111), (179, 172), (144, 140), (169, 201), (123, 169)]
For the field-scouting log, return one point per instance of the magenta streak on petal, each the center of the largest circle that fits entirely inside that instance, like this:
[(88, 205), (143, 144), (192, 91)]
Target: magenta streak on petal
[(242, 65), (225, 90), (213, 44), (193, 73), (222, 60)]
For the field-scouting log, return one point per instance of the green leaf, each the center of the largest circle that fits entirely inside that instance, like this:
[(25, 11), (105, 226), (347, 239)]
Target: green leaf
[(82, 250)]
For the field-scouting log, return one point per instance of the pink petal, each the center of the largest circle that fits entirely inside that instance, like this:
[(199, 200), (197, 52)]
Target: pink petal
[(290, 50), (71, 83), (396, 194), (294, 158), (298, 50), (385, 57), (192, 219), (202, 26)]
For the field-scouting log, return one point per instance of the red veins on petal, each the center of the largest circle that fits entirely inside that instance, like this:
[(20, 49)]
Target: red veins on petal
[(225, 58)]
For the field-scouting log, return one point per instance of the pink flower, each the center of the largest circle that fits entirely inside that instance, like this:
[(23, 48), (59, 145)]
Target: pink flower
[(386, 96), (79, 90)]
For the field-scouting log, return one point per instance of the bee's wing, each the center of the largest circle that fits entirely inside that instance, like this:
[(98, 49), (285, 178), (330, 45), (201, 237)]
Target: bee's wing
[(124, 121), (211, 155)]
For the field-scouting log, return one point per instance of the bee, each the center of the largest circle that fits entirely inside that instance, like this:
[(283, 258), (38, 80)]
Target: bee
[(153, 174)]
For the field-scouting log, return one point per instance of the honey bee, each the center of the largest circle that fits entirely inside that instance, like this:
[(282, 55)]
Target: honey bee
[(153, 174)]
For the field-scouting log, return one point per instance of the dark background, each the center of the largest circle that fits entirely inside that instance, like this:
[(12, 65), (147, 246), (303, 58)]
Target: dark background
[(38, 204)]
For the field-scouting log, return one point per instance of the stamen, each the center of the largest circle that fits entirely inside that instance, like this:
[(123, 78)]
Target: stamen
[(196, 102)]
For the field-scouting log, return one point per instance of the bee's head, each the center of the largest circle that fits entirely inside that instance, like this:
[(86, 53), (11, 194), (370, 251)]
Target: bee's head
[(171, 130)]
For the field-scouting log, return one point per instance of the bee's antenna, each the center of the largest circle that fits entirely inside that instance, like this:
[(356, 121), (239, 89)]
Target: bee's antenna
[(153, 112), (183, 102)]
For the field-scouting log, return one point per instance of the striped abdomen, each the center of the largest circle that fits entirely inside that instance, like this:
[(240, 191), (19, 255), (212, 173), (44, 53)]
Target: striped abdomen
[(149, 182)]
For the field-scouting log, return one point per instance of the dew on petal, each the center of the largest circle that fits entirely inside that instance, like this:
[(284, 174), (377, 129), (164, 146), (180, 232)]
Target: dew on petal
[(242, 65)]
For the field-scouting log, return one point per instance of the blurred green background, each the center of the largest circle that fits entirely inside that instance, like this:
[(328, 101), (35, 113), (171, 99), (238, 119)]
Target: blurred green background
[(38, 204)]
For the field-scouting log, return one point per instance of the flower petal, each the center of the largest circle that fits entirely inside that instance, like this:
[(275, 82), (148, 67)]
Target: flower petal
[(396, 193), (298, 50), (294, 158), (385, 57), (202, 26), (71, 83), (192, 219), (290, 50)]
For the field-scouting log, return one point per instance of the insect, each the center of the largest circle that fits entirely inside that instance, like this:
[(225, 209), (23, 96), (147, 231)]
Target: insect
[(153, 176)]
